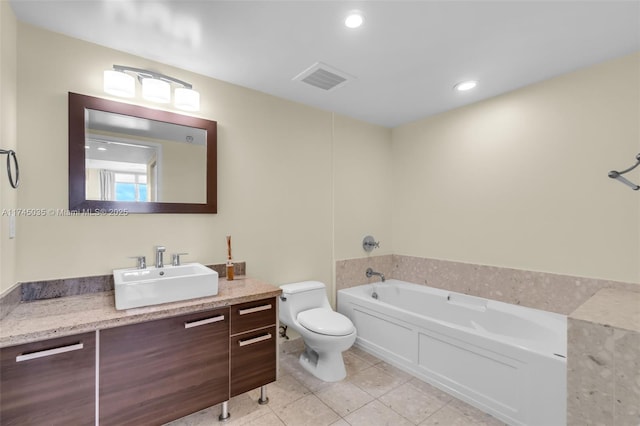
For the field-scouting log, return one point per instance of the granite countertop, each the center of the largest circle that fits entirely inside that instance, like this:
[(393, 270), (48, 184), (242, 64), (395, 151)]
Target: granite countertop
[(611, 307), (45, 319)]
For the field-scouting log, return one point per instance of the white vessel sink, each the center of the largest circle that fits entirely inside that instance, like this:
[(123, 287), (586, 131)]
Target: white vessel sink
[(151, 286)]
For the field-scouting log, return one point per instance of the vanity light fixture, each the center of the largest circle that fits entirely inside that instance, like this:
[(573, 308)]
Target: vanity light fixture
[(119, 84), (187, 99), (156, 87), (156, 90), (463, 86)]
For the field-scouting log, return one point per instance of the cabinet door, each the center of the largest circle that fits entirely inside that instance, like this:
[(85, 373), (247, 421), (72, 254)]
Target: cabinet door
[(253, 359), (158, 371), (51, 382)]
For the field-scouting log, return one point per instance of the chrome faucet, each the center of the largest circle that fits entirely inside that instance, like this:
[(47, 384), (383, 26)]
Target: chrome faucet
[(160, 256), (370, 272)]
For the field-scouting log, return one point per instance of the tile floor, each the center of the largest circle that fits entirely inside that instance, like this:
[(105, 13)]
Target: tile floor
[(373, 393)]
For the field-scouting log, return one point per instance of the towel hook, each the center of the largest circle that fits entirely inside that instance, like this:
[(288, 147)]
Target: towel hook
[(618, 175), (12, 154)]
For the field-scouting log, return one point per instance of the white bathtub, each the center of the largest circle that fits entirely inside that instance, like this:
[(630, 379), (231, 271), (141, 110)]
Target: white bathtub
[(504, 359)]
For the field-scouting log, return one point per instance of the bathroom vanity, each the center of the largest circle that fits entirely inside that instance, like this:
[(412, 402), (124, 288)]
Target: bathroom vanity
[(140, 366)]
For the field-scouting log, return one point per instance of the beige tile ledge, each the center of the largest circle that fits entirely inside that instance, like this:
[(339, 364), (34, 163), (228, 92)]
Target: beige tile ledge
[(611, 307), (45, 319)]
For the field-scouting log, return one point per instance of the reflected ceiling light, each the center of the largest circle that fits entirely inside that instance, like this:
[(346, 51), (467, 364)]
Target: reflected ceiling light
[(354, 20), (463, 86), (156, 87)]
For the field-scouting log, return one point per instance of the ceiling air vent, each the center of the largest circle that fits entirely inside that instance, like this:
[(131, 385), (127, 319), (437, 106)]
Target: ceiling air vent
[(323, 77)]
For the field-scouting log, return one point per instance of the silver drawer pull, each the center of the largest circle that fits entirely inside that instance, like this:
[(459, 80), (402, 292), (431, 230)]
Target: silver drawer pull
[(254, 340), (49, 352), (204, 321), (256, 309)]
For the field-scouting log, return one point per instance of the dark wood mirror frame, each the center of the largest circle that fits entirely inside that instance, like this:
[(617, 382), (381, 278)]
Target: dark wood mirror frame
[(77, 188)]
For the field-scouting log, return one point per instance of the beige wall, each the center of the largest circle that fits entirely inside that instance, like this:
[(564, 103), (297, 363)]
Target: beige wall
[(520, 180), (362, 170), (517, 181), (275, 176), (8, 140), (183, 173)]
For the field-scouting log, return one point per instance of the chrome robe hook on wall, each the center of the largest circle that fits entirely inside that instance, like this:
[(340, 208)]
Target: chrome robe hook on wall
[(12, 154), (618, 175)]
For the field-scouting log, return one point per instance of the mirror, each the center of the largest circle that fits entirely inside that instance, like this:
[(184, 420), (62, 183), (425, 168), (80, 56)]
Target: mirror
[(125, 157)]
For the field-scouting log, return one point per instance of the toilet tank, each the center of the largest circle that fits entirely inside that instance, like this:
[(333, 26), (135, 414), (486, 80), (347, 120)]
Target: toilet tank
[(303, 296)]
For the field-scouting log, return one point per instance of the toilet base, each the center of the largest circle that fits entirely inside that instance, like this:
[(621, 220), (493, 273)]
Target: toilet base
[(328, 366)]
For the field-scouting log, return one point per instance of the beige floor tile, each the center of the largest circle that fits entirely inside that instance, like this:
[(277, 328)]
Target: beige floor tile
[(376, 414), (340, 422), (479, 417), (269, 419), (448, 416), (431, 390), (344, 397), (244, 409), (397, 373), (375, 381), (410, 402), (283, 391), (289, 362), (364, 355), (307, 411), (353, 363)]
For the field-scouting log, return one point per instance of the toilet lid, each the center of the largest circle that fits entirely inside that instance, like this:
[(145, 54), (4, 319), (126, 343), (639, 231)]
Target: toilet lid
[(326, 321)]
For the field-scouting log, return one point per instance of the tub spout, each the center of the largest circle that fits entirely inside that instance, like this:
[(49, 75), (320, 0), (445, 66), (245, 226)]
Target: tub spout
[(370, 272)]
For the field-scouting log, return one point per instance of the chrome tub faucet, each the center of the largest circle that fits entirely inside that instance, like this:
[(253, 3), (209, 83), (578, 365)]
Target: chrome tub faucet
[(370, 272)]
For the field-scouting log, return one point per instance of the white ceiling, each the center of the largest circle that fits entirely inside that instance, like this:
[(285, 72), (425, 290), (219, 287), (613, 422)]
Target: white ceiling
[(406, 57)]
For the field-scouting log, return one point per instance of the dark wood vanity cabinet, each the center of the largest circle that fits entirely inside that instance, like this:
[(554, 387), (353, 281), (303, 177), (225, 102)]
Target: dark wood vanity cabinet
[(51, 382), (253, 345), (161, 370), (146, 373)]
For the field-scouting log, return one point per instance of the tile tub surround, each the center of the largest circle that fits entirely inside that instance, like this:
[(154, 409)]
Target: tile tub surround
[(351, 272), (45, 319), (539, 290), (603, 360), (51, 289), (373, 394)]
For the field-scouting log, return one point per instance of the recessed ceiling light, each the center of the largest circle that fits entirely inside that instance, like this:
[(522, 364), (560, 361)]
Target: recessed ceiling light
[(100, 148), (354, 20), (463, 86)]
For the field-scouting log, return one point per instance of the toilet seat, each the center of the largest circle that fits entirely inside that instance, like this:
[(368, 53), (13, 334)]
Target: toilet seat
[(325, 321)]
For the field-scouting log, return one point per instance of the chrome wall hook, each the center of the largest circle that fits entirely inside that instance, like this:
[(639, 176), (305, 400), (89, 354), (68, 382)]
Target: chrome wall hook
[(618, 175)]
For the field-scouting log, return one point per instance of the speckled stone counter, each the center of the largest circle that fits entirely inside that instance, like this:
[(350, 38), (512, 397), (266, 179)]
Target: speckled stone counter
[(45, 319), (603, 360)]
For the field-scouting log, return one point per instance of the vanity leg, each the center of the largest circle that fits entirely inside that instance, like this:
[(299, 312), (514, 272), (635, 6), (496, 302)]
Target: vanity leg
[(224, 412), (263, 395)]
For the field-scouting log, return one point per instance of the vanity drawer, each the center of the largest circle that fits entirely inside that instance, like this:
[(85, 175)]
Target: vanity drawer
[(251, 315), (253, 359)]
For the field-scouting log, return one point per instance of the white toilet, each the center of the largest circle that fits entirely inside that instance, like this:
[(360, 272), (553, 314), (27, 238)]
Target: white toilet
[(304, 307)]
